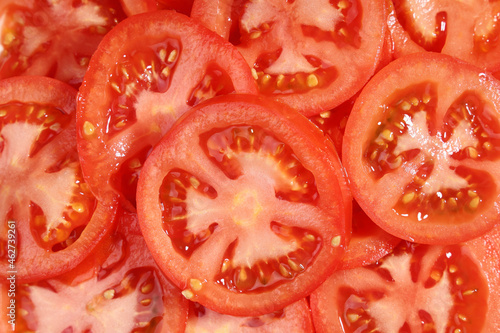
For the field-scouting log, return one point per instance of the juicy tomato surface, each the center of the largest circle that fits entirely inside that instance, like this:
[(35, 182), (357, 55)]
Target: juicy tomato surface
[(53, 38), (468, 30), (119, 289), (147, 72), (133, 7), (311, 55), (433, 288), (422, 149), (244, 205), (50, 219), (294, 318)]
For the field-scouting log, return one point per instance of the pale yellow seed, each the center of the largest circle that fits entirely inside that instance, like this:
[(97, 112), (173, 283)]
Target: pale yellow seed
[(387, 134), (408, 197), (143, 324), (225, 265), (265, 79), (188, 294), (8, 38), (162, 54), (146, 301), (436, 275), (426, 99), (469, 292), (195, 284), (453, 269), (309, 237), (109, 294), (343, 32), (336, 241), (165, 71), (3, 113), (472, 152), (487, 145), (414, 101), (135, 163), (78, 207), (325, 114), (255, 34), (353, 317), (474, 203), (343, 4), (399, 125), (284, 271), (459, 281), (471, 193), (172, 56), (243, 274), (147, 288), (116, 87), (280, 80), (405, 106), (462, 317), (88, 128), (312, 80), (293, 265), (194, 182), (452, 202), (254, 74), (457, 330)]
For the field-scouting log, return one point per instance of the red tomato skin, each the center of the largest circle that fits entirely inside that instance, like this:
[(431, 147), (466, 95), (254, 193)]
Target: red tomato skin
[(220, 111), (33, 263), (364, 121)]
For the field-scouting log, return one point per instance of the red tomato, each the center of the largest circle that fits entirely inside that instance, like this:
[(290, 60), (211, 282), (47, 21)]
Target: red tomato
[(146, 73), (53, 38), (133, 7), (311, 55), (123, 291), (468, 30), (417, 288), (50, 219), (244, 205), (368, 242), (294, 318), (422, 149)]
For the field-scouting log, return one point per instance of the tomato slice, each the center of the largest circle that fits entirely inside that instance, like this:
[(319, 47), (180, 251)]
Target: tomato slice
[(416, 288), (146, 73), (133, 7), (468, 30), (244, 205), (294, 318), (311, 55), (53, 38), (120, 289), (423, 158), (50, 219)]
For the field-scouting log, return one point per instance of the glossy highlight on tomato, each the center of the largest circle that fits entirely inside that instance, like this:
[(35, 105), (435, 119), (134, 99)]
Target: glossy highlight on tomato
[(237, 171)]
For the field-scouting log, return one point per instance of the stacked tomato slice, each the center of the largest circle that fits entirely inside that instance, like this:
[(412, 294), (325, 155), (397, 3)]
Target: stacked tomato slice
[(250, 165)]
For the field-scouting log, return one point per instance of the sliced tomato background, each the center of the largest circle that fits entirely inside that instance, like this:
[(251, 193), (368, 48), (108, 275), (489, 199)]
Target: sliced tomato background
[(294, 318), (468, 30), (53, 38), (118, 289), (422, 152), (311, 55), (133, 7), (244, 205), (434, 289), (50, 219), (147, 72)]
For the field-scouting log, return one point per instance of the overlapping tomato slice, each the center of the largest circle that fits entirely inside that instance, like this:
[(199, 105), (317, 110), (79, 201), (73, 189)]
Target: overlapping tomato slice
[(468, 30), (119, 288), (146, 73), (431, 147), (53, 38), (433, 288), (312, 55), (244, 205), (49, 218)]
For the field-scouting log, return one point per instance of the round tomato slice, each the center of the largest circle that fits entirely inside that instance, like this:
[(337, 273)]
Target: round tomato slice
[(133, 7), (50, 219), (294, 318), (311, 55), (120, 289), (147, 72), (416, 288), (53, 38), (468, 30), (422, 149), (244, 205)]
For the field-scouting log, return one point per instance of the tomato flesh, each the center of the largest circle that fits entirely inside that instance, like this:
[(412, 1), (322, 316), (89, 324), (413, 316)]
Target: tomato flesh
[(435, 289), (54, 39)]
